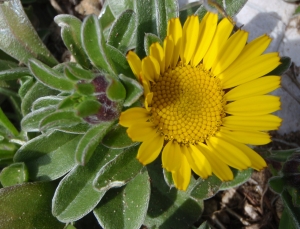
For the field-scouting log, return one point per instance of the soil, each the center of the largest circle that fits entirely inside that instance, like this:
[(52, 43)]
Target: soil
[(251, 206)]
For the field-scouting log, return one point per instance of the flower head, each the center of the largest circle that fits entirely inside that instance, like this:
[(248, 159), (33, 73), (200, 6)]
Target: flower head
[(205, 99)]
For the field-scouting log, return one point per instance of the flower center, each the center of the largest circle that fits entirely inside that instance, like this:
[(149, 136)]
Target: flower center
[(187, 104)]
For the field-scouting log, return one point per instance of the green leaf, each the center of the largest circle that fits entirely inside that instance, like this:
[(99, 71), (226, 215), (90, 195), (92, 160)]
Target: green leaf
[(122, 33), (49, 157), (26, 83), (115, 90), (169, 208), (89, 142), (13, 174), (134, 90), (125, 203), (240, 177), (18, 38), (85, 88), (165, 10), (291, 210), (88, 107), (204, 225), (70, 33), (78, 73), (80, 128), (31, 121), (277, 184), (94, 44), (38, 90), (119, 62), (75, 195), (282, 155), (28, 206), (283, 67), (59, 118), (286, 221), (232, 7), (146, 23), (118, 171), (207, 188), (46, 102), (5, 122), (14, 74), (117, 138), (50, 77), (149, 40), (106, 17), (190, 9)]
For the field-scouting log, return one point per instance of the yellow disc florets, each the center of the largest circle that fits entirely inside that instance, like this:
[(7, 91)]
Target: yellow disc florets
[(187, 104)]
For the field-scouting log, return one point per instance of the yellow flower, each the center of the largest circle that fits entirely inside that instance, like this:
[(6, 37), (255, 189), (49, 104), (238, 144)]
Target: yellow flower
[(205, 99)]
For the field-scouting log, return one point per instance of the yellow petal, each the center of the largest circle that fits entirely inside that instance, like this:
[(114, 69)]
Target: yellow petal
[(189, 38), (259, 86), (171, 156), (257, 162), (219, 168), (247, 137), (141, 131), (182, 176), (168, 49), (175, 31), (135, 63), (232, 49), (207, 31), (146, 86), (254, 49), (242, 73), (262, 122), (148, 101), (197, 161), (150, 68), (157, 52), (150, 149), (222, 33), (133, 115), (229, 153), (256, 105)]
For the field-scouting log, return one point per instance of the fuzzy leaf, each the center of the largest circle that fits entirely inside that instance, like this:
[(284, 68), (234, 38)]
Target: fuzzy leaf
[(291, 210), (70, 33), (13, 174), (49, 157), (119, 171), (125, 202), (232, 7), (115, 90), (106, 17), (89, 142), (59, 118), (78, 73), (122, 32), (277, 184), (134, 90), (170, 208), (31, 121), (18, 38), (6, 123), (165, 10), (75, 195), (283, 67), (49, 76), (26, 83), (94, 44), (119, 62), (88, 107), (117, 138), (240, 177), (146, 18), (28, 206), (14, 74), (149, 40), (38, 90), (205, 189), (46, 102)]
